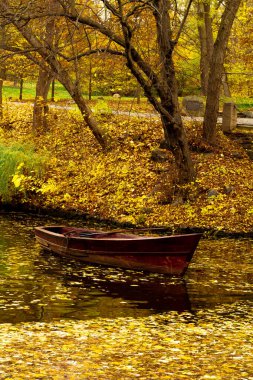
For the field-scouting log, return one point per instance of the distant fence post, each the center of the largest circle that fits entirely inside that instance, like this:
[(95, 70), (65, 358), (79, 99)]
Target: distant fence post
[(229, 117)]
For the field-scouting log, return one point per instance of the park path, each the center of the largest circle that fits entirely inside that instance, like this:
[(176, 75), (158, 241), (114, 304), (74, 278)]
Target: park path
[(244, 122), (241, 121)]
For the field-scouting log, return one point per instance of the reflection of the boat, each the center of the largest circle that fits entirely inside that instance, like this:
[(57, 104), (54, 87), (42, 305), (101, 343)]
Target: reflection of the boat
[(155, 294), (122, 289)]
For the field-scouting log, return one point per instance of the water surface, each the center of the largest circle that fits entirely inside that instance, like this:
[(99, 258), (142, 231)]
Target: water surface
[(66, 320), (37, 286)]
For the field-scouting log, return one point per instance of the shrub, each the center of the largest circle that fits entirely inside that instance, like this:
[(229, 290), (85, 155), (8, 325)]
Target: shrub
[(18, 164)]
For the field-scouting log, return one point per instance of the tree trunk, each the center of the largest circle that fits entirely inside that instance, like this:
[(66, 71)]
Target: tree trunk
[(174, 132), (216, 70), (206, 43), (2, 69), (40, 110), (21, 89), (1, 98), (226, 88), (76, 94), (90, 80), (175, 136), (53, 91), (3, 38), (138, 95), (176, 141)]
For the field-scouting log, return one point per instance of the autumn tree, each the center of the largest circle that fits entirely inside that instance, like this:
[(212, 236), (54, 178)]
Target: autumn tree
[(40, 110), (208, 19), (119, 34), (2, 67), (26, 18), (156, 77), (216, 69), (205, 31)]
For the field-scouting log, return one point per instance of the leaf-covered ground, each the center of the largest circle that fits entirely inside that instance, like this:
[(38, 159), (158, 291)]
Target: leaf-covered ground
[(214, 344), (127, 184)]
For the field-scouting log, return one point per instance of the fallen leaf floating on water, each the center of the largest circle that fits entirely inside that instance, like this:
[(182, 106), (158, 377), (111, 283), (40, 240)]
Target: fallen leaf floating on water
[(211, 346)]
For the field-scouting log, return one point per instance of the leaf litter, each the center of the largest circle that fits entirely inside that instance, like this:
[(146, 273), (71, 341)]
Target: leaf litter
[(209, 344)]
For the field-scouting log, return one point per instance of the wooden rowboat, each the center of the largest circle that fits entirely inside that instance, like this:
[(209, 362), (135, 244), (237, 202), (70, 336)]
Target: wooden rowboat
[(161, 254)]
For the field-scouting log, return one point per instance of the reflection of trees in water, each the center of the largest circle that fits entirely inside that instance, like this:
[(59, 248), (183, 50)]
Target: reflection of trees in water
[(221, 272)]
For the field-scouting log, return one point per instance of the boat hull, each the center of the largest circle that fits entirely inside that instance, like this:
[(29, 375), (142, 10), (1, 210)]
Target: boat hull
[(167, 254)]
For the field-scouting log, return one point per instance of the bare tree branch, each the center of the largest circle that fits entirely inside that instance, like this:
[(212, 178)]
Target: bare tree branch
[(186, 13), (91, 52)]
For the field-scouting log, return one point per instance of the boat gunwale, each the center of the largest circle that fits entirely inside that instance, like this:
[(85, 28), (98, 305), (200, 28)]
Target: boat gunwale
[(44, 229)]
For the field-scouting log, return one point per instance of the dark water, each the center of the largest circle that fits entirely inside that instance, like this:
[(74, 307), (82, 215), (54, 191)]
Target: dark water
[(35, 286)]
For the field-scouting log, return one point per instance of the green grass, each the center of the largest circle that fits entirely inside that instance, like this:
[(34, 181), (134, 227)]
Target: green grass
[(243, 104), (17, 159), (12, 92)]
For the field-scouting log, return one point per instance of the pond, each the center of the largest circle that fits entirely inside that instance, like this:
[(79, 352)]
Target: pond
[(184, 322)]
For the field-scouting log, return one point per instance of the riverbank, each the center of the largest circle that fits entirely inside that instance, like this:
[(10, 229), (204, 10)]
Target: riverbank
[(132, 184)]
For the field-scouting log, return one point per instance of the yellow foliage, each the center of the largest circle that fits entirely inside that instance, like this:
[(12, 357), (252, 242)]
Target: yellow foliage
[(49, 187), (17, 179), (67, 197), (125, 184)]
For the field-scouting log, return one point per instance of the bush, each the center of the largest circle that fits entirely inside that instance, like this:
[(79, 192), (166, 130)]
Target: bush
[(18, 164)]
